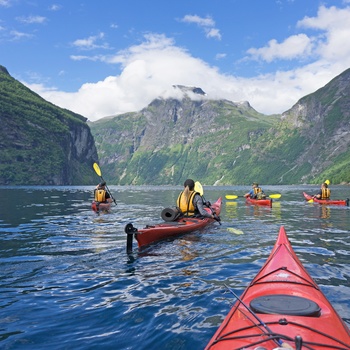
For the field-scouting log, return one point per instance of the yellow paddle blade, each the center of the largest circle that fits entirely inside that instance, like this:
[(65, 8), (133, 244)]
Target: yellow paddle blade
[(97, 169), (234, 230), (276, 195), (327, 182), (231, 196), (310, 201), (198, 188)]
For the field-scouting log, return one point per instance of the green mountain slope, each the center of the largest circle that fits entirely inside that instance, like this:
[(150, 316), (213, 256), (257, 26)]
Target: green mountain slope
[(171, 140), (220, 142), (41, 144)]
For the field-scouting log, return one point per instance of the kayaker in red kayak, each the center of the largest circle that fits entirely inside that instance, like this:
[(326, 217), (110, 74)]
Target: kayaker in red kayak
[(324, 192), (256, 192), (191, 203)]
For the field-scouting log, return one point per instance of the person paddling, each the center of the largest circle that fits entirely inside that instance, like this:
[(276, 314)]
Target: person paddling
[(324, 192), (101, 195), (191, 203), (256, 192)]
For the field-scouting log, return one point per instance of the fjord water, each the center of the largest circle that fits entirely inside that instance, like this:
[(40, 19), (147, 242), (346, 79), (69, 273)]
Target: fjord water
[(66, 281)]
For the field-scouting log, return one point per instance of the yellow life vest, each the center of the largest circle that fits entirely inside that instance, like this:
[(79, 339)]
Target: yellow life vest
[(326, 193), (257, 190), (186, 206), (100, 195)]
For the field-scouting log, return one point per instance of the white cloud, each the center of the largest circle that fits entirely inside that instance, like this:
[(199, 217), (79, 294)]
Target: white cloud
[(206, 23), (149, 70), (16, 35), (220, 56), (293, 47), (202, 22), (5, 3), (55, 7), (334, 27), (91, 42), (32, 19)]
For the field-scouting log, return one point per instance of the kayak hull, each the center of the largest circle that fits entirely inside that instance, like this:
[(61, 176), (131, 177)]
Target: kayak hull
[(100, 207), (282, 306), (157, 232), (327, 201), (264, 202)]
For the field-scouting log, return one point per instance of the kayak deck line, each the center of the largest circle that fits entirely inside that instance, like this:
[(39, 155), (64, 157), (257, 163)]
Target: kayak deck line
[(267, 336)]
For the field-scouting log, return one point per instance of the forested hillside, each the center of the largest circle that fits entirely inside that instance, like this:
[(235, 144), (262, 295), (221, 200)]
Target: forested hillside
[(41, 144)]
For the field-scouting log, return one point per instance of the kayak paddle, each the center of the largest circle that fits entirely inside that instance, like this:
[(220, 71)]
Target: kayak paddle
[(99, 173), (233, 196), (234, 230), (198, 188)]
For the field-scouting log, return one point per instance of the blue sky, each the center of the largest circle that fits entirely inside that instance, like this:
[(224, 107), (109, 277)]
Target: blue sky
[(102, 58)]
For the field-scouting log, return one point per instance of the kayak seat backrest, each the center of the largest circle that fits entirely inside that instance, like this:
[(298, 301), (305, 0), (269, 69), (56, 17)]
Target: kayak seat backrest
[(283, 304)]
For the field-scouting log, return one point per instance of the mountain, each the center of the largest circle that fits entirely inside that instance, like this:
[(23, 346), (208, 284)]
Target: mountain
[(222, 142), (41, 144), (172, 139), (217, 142), (321, 121)]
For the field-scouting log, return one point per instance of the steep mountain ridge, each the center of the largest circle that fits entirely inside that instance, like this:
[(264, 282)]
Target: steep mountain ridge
[(41, 144), (216, 141), (222, 142), (171, 139), (323, 118)]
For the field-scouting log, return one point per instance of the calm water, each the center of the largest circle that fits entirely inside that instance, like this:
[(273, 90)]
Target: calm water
[(66, 281)]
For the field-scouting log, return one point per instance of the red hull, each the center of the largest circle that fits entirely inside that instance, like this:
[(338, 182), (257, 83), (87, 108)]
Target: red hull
[(157, 232), (327, 201), (284, 290), (265, 202), (101, 207)]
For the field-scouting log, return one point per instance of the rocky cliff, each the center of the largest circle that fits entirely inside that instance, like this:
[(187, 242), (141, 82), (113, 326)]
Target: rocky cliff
[(172, 139), (222, 142), (323, 120), (41, 144)]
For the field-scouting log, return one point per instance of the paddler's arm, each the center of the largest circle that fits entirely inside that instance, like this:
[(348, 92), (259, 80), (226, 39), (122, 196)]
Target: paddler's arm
[(198, 203)]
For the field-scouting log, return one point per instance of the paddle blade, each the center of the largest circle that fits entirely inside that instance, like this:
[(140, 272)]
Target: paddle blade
[(231, 196), (310, 201), (234, 230), (97, 169), (276, 195), (198, 188), (327, 182)]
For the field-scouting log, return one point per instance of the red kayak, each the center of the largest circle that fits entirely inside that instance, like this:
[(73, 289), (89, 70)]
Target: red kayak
[(265, 202), (98, 207), (327, 201), (157, 232), (281, 307)]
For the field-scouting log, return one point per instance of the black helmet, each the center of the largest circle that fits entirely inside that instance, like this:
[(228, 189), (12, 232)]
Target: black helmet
[(102, 184)]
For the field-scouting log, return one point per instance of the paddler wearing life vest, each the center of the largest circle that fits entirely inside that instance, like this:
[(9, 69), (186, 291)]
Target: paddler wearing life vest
[(101, 195), (256, 192), (191, 202), (324, 192)]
